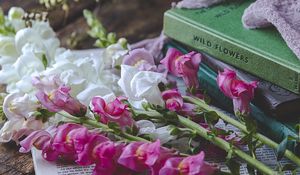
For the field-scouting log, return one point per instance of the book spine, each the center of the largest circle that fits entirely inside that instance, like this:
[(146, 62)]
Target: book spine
[(271, 127), (218, 46)]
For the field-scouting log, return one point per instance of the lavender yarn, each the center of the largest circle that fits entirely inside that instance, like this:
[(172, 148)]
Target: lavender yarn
[(154, 46), (283, 14), (192, 4)]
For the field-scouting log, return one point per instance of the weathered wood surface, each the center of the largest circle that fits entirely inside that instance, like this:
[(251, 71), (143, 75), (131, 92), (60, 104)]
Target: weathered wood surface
[(133, 19)]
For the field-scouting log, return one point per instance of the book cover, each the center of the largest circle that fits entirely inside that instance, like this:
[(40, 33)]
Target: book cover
[(218, 31)]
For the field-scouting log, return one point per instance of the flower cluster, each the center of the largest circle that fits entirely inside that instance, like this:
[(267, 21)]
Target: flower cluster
[(184, 66), (239, 91), (33, 66), (115, 111), (174, 102), (76, 143)]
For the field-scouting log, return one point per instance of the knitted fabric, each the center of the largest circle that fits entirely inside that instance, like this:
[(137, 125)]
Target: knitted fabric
[(283, 14)]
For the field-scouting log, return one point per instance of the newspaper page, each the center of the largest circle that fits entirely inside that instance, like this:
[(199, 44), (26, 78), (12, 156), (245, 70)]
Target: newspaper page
[(43, 167)]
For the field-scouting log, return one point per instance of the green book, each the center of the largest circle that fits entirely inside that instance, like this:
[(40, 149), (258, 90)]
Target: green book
[(219, 32)]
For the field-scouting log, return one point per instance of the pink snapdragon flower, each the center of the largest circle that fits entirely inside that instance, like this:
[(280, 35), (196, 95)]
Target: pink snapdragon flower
[(141, 59), (60, 99), (185, 66), (239, 91), (174, 102), (106, 156), (115, 111), (40, 139), (85, 156), (192, 165), (140, 156)]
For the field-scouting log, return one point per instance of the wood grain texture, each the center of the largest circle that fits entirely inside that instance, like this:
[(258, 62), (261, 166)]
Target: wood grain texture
[(132, 19)]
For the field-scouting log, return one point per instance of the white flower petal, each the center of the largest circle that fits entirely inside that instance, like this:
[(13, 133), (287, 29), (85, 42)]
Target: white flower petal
[(19, 105), (10, 127), (163, 134), (113, 55), (91, 91), (7, 46), (28, 64), (8, 74), (145, 85), (127, 74), (146, 127)]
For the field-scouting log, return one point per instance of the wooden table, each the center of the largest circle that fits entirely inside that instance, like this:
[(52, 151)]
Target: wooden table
[(132, 19)]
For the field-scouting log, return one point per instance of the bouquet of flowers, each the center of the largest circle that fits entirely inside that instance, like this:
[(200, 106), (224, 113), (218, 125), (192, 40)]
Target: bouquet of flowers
[(120, 110)]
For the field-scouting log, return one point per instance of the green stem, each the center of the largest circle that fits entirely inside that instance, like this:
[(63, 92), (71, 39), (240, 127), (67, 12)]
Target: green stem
[(226, 146), (216, 141), (290, 155), (95, 124)]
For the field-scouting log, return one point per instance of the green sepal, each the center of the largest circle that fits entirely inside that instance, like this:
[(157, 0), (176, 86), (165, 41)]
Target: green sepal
[(44, 61)]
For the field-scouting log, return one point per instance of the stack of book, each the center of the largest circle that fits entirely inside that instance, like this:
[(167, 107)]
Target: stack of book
[(260, 55)]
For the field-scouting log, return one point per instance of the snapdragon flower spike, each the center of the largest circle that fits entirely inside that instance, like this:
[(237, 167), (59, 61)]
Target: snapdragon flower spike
[(76, 143), (141, 59), (192, 165), (60, 99), (174, 102), (115, 111), (185, 66), (239, 91)]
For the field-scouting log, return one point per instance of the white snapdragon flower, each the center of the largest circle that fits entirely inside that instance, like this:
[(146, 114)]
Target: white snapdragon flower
[(141, 86), (16, 129), (161, 133), (15, 15), (8, 52), (8, 75), (113, 55), (41, 36), (19, 109), (74, 72), (91, 91), (19, 105)]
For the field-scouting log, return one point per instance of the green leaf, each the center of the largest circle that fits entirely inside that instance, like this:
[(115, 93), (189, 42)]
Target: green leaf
[(211, 117), (251, 170), (281, 148), (250, 125), (114, 126), (43, 114), (289, 167), (171, 116), (233, 166)]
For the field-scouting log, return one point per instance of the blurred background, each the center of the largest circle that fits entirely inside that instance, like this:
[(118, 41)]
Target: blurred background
[(132, 19)]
